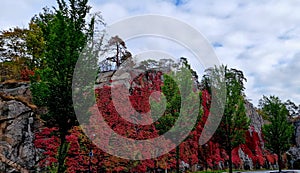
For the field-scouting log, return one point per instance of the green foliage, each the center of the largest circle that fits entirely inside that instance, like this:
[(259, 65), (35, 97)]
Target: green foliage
[(278, 131), (234, 123), (181, 97), (20, 49), (173, 102), (35, 44), (8, 70), (12, 44), (13, 54), (65, 34), (172, 93), (40, 90), (178, 90), (294, 110)]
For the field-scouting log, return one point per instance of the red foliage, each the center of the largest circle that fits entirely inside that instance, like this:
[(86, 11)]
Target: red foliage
[(78, 157), (189, 151), (26, 74), (272, 158), (134, 107), (124, 111), (48, 141), (253, 147), (235, 157)]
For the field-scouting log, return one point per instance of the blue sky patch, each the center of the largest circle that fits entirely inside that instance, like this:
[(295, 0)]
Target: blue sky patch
[(217, 44)]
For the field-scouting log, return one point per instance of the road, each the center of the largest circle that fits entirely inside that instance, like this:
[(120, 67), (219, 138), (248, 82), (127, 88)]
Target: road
[(273, 171)]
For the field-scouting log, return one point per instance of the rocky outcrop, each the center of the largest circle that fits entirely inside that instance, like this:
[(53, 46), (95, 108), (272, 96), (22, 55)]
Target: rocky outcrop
[(16, 89), (17, 126), (12, 164), (256, 123), (294, 152), (256, 120), (248, 163), (297, 132)]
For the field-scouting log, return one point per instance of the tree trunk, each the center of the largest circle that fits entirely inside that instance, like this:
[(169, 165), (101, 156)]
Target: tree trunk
[(279, 161), (177, 159), (230, 160), (62, 153)]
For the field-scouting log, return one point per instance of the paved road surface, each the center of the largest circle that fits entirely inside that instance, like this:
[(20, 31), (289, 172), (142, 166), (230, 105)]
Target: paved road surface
[(274, 171)]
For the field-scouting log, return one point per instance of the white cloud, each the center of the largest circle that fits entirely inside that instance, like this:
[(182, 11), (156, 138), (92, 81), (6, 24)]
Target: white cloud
[(261, 37), (19, 12)]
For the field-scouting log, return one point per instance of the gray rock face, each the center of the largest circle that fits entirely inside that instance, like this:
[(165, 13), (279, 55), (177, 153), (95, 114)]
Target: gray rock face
[(256, 123), (294, 152), (297, 132), (17, 125), (248, 163), (16, 89), (256, 120)]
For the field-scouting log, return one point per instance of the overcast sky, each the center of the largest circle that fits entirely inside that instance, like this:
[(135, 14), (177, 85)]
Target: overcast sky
[(259, 37)]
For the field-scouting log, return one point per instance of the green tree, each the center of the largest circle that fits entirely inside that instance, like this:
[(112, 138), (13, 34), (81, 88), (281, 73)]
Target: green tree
[(234, 123), (179, 89), (65, 32), (35, 46), (20, 50), (13, 44), (13, 53), (278, 131), (294, 110), (171, 93)]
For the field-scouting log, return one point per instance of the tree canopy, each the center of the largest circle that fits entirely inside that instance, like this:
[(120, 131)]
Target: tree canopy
[(278, 131), (65, 32), (234, 123)]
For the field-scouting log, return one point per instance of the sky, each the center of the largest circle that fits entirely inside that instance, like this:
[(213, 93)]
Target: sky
[(259, 37)]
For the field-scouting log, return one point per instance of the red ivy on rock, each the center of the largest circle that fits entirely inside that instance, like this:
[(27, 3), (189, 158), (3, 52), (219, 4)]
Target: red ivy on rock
[(120, 107), (47, 142)]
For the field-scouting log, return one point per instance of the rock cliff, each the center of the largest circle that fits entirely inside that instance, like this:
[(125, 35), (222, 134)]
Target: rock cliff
[(17, 126), (256, 120)]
